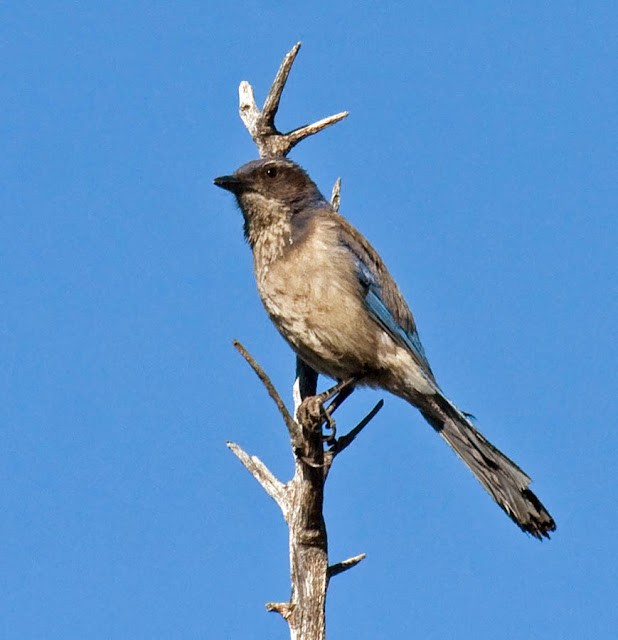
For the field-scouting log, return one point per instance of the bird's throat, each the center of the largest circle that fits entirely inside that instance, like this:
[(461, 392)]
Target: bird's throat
[(268, 232)]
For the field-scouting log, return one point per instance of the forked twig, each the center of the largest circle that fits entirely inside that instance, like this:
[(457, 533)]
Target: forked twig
[(261, 124)]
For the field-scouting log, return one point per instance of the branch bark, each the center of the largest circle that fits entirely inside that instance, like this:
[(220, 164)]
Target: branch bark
[(301, 502)]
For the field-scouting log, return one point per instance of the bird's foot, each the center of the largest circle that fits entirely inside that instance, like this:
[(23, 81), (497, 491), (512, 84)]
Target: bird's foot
[(313, 409), (313, 412), (310, 411)]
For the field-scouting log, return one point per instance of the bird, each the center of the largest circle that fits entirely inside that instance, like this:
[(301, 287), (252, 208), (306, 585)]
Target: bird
[(331, 297)]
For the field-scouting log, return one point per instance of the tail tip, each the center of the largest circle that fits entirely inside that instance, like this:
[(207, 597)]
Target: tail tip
[(539, 523)]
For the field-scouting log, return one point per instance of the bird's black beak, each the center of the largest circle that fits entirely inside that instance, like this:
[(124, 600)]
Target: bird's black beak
[(231, 183)]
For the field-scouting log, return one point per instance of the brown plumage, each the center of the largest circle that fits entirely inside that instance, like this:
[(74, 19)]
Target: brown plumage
[(332, 298)]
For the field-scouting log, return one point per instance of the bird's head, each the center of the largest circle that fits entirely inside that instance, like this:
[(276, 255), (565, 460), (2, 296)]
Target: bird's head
[(270, 193)]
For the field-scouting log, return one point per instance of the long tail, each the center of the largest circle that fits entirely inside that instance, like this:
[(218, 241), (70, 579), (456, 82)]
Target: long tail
[(505, 482)]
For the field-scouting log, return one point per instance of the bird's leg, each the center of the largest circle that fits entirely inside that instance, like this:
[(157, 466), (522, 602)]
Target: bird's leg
[(342, 387), (344, 393), (339, 399)]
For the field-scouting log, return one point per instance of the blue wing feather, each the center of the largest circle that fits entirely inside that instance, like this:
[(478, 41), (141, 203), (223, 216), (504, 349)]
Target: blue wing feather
[(374, 303), (380, 312)]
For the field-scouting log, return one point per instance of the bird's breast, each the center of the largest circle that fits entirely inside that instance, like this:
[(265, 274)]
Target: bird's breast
[(314, 299)]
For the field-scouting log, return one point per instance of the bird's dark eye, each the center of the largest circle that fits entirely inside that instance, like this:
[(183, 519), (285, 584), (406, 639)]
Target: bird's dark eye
[(271, 172)]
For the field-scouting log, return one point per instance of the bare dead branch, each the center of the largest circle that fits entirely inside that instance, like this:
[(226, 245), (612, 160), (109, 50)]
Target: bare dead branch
[(301, 501), (345, 441), (290, 423), (340, 567), (294, 137), (273, 487), (335, 196), (337, 445), (261, 124), (271, 104), (286, 609), (249, 112)]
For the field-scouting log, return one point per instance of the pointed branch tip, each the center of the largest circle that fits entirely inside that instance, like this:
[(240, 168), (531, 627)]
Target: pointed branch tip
[(311, 129), (335, 196), (340, 567), (265, 477), (271, 104)]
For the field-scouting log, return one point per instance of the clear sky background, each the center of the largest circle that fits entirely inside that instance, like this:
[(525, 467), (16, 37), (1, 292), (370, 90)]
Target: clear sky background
[(480, 159)]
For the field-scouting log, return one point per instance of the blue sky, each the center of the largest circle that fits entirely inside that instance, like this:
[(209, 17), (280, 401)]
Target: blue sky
[(479, 158)]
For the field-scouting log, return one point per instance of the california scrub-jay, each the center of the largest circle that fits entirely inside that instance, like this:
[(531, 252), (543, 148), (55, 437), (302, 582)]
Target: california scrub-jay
[(332, 298)]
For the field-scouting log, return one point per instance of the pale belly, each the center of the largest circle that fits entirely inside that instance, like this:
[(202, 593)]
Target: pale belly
[(322, 319)]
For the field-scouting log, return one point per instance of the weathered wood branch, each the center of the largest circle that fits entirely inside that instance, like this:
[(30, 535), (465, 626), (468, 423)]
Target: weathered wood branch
[(261, 124), (340, 567), (286, 609), (268, 482), (345, 441), (301, 502), (335, 196)]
